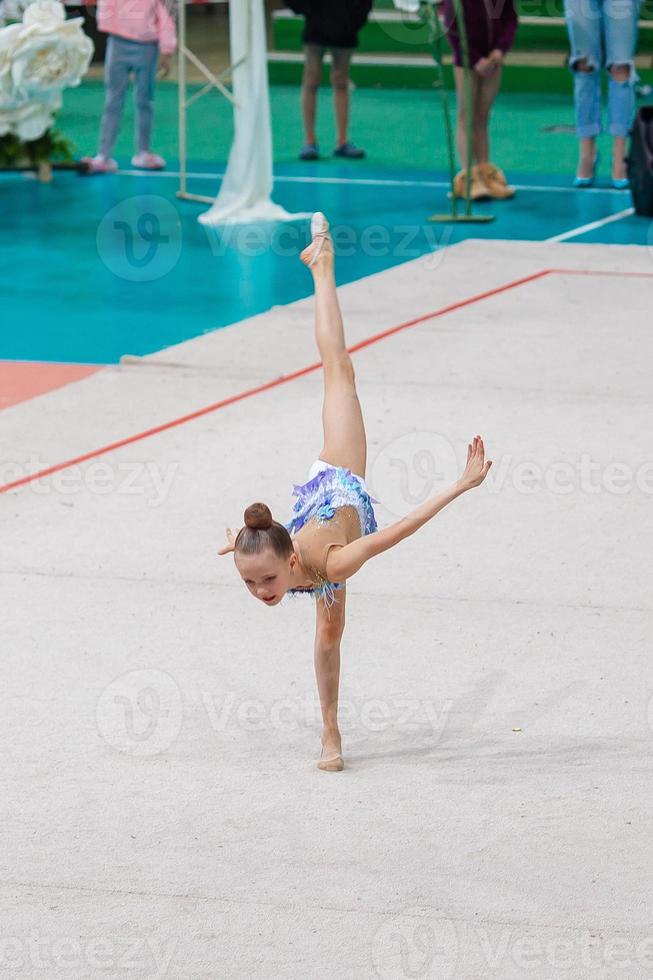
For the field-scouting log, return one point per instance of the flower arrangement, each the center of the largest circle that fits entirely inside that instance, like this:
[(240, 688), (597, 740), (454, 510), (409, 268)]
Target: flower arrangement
[(40, 56)]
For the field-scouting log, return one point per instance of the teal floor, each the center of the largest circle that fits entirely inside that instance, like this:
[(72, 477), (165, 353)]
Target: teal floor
[(96, 268), (101, 267)]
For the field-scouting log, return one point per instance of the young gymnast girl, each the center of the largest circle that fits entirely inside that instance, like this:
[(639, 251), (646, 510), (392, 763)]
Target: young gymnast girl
[(333, 530)]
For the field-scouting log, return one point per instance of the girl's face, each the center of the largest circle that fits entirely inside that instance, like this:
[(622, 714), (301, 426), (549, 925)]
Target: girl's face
[(267, 577)]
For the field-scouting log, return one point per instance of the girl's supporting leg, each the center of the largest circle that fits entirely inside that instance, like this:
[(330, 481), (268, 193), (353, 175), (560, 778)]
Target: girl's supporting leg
[(144, 84), (329, 627), (313, 56), (345, 442), (341, 60), (116, 79)]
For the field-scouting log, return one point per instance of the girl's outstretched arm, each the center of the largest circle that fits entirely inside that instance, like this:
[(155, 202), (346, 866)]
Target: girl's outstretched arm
[(344, 562)]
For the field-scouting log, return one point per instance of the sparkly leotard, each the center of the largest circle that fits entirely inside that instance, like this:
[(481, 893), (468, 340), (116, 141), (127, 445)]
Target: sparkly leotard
[(330, 488)]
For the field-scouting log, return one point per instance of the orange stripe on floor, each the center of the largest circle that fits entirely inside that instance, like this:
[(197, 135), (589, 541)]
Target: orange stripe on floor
[(20, 380)]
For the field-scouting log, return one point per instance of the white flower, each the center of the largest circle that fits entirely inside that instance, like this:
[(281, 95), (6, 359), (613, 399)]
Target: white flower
[(44, 54), (29, 120), (46, 14)]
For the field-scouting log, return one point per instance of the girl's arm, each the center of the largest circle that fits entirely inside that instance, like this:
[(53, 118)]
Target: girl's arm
[(344, 562)]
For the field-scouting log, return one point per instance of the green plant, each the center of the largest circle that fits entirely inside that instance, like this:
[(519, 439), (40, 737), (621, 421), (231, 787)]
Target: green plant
[(51, 146)]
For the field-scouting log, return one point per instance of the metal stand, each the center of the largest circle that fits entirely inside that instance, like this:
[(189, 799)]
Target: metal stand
[(213, 82)]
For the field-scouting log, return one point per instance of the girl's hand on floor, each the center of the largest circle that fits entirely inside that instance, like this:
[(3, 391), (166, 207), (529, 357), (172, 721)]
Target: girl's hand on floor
[(477, 468), (231, 542)]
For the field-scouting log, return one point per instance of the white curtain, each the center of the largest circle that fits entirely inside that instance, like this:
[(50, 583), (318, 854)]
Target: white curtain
[(245, 194)]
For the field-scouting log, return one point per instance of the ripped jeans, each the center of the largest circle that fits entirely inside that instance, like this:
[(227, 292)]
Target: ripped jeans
[(604, 33)]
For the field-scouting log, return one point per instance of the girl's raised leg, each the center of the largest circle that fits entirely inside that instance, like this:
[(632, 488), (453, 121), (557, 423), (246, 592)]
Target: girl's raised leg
[(345, 442)]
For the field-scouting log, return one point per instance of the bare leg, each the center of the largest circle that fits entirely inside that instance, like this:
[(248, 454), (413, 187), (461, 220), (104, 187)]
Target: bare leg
[(328, 634), (618, 157), (310, 85), (345, 442), (340, 85), (486, 92), (461, 119)]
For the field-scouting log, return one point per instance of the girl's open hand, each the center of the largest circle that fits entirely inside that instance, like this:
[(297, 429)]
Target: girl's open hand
[(477, 468), (231, 542)]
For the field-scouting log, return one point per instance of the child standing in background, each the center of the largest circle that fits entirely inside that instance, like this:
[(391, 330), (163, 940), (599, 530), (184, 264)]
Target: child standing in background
[(138, 30), (331, 25)]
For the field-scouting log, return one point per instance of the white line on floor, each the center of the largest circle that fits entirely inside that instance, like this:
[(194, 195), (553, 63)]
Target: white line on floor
[(582, 229), (369, 181)]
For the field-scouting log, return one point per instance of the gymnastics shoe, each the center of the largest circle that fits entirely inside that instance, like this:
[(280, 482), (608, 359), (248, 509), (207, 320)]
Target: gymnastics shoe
[(320, 235), (310, 151), (349, 151), (330, 763), (148, 161), (89, 166), (478, 189), (495, 181)]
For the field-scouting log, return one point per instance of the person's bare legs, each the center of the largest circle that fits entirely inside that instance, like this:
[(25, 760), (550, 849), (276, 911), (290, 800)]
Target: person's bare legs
[(486, 92), (461, 116), (618, 157), (329, 627), (341, 60), (313, 56)]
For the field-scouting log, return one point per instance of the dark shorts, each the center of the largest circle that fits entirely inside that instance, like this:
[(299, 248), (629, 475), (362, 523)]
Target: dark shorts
[(489, 24)]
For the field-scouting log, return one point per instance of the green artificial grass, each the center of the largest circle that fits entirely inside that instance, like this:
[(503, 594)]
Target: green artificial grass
[(399, 128)]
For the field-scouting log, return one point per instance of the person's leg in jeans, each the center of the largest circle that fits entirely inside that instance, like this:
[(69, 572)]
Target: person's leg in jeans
[(116, 79), (145, 64), (584, 24), (621, 23), (313, 56)]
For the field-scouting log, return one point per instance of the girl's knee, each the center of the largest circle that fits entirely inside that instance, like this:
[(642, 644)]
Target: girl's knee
[(329, 633), (347, 368)]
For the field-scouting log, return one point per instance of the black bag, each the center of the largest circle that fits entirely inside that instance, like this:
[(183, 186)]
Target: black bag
[(640, 161)]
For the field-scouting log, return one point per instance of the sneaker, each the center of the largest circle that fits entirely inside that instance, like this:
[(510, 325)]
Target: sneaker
[(97, 165), (495, 181), (349, 151), (310, 151), (148, 161)]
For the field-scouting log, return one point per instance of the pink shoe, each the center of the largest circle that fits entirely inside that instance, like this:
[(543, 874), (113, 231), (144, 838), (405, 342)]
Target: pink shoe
[(148, 161), (97, 165)]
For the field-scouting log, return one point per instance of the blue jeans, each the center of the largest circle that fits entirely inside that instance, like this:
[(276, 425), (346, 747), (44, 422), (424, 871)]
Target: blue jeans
[(604, 33), (122, 58)]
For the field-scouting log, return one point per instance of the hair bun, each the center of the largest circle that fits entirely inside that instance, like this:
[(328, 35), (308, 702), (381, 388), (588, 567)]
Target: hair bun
[(258, 517)]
